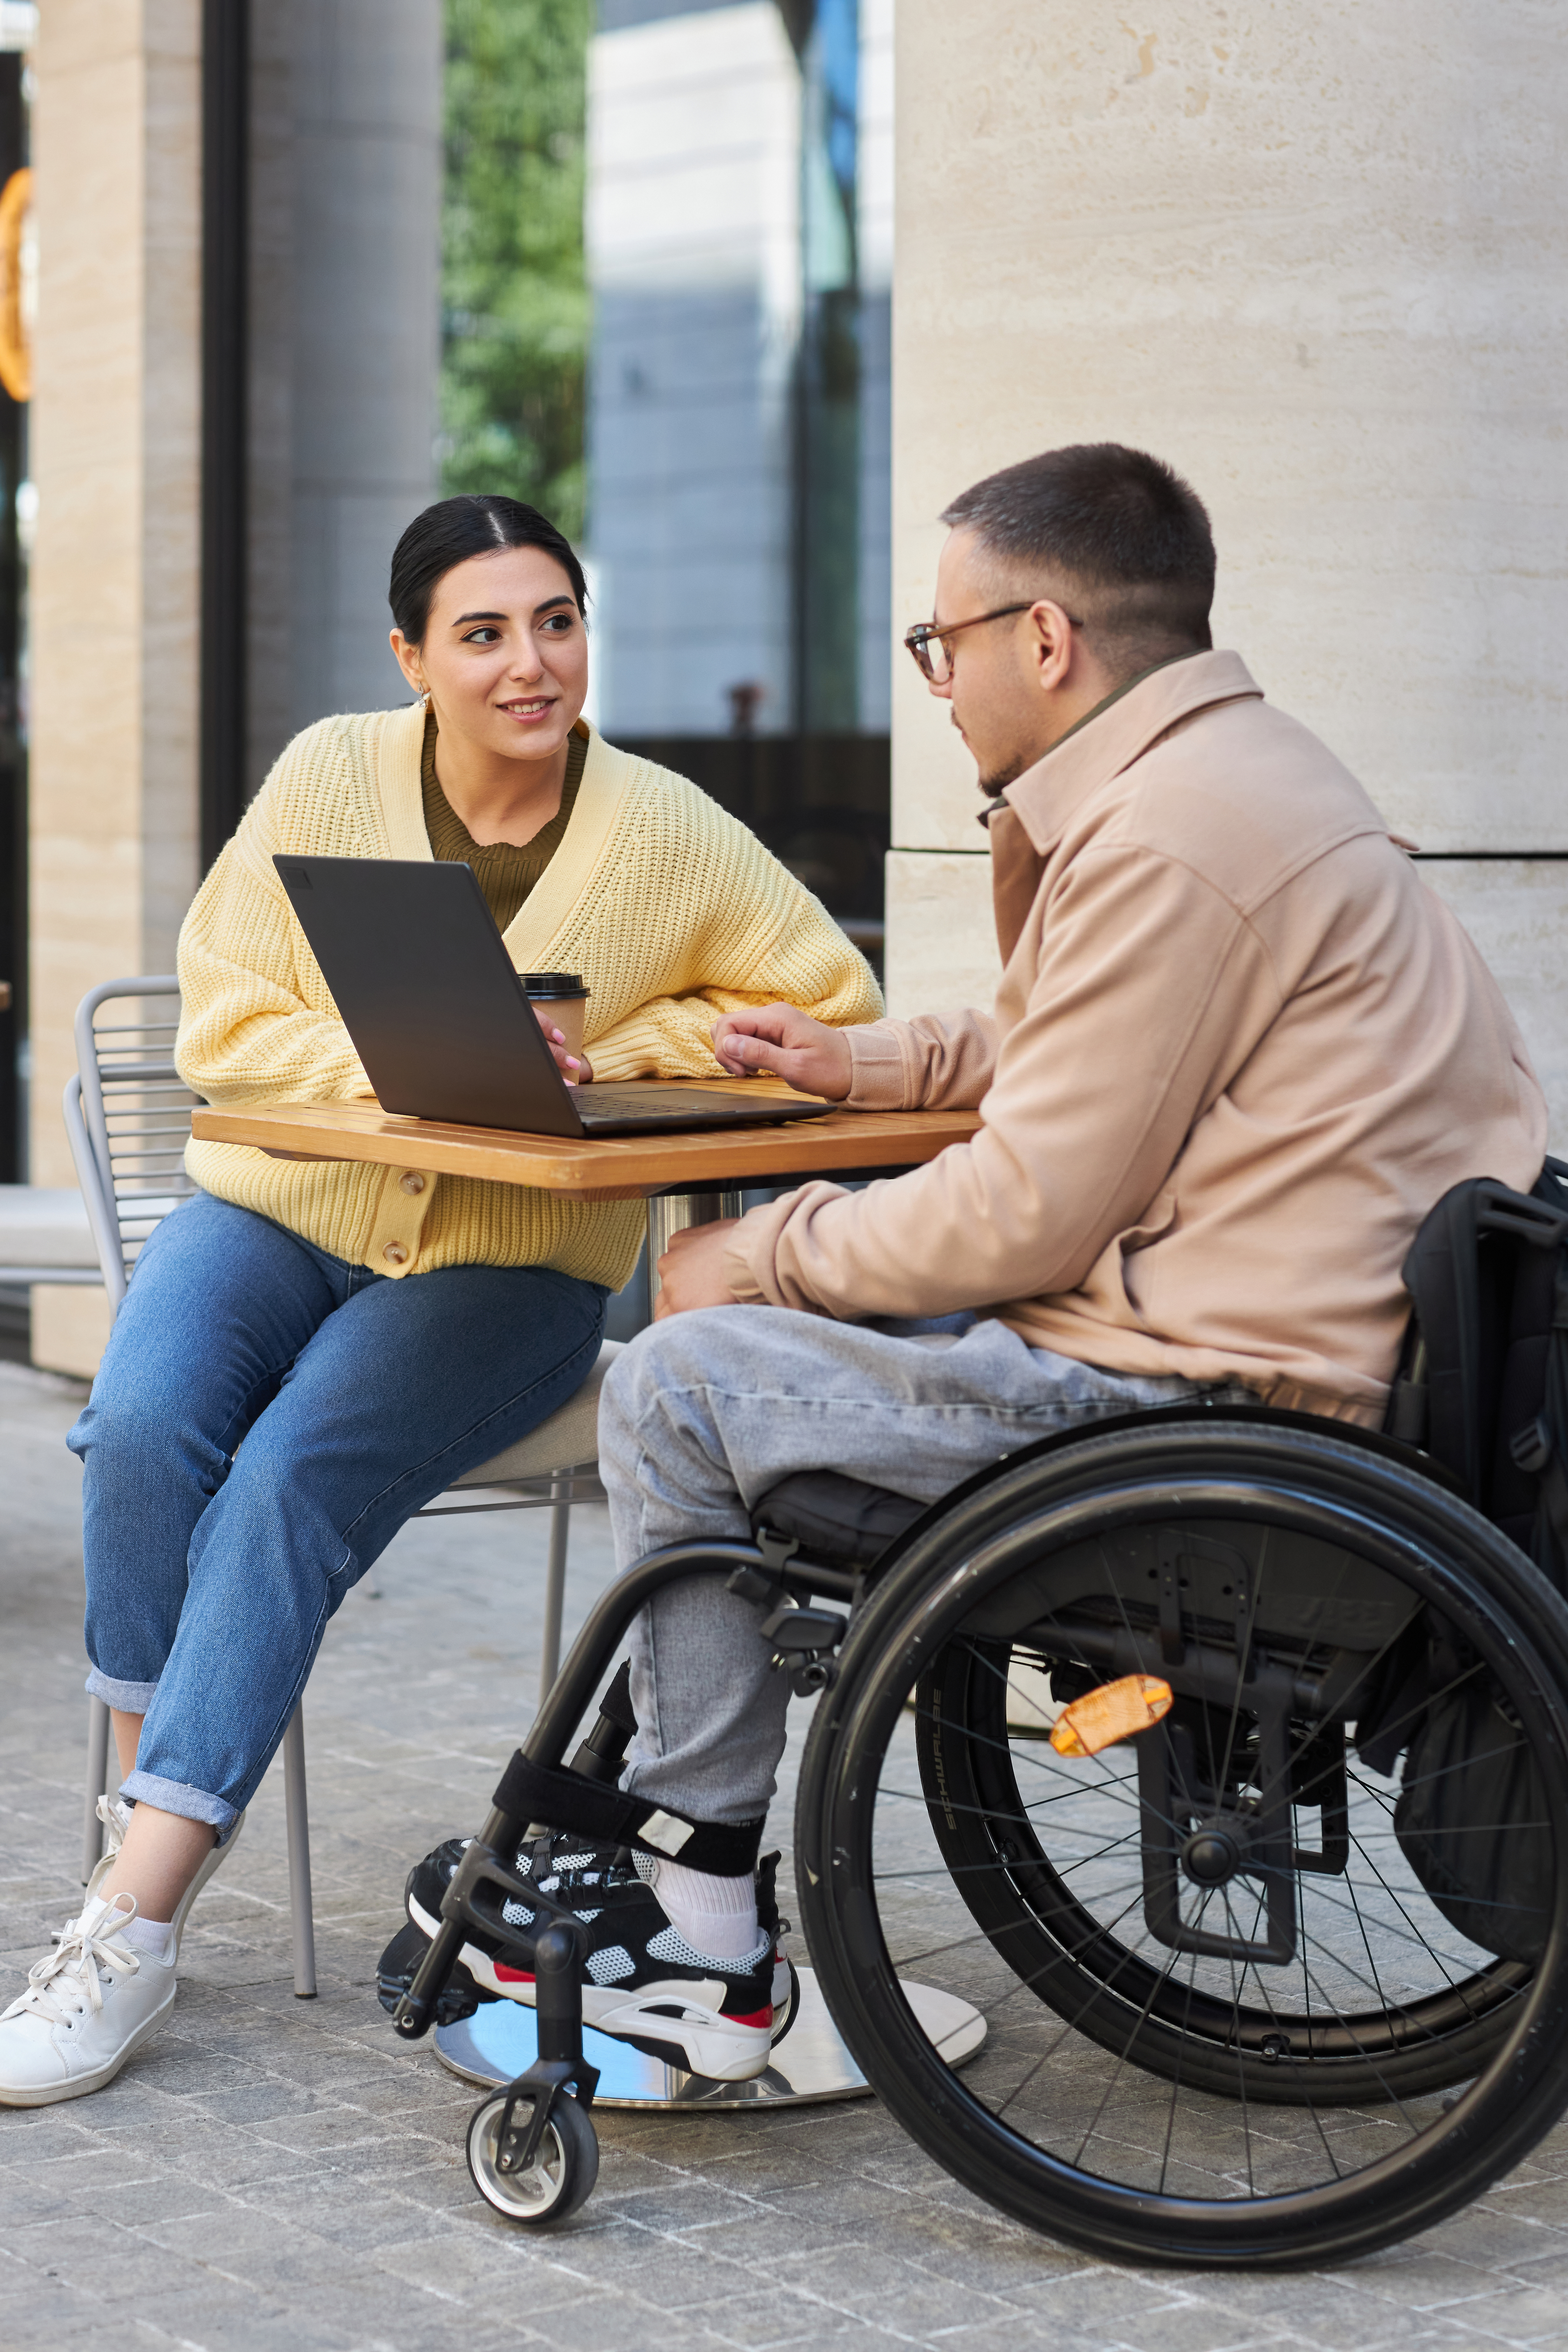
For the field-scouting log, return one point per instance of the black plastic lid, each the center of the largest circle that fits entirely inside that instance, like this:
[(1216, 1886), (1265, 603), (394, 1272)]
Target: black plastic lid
[(554, 983)]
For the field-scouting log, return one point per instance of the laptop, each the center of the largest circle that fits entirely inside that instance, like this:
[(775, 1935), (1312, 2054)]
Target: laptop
[(425, 986)]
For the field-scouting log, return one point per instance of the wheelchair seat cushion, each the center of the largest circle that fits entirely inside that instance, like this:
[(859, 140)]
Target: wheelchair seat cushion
[(842, 1522)]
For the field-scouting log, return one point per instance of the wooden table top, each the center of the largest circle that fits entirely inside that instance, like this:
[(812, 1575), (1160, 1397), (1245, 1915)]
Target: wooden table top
[(604, 1168)]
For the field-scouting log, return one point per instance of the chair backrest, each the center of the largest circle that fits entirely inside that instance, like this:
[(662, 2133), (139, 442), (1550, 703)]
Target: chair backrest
[(128, 1115)]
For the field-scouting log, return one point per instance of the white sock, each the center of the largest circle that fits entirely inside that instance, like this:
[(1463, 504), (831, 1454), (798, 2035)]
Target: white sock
[(718, 1917), (154, 1937)]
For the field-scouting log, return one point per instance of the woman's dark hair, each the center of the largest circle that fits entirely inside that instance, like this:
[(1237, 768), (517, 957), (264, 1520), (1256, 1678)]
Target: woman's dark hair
[(453, 529)]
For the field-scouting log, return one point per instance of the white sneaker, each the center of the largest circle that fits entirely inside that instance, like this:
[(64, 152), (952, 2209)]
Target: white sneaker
[(88, 2006), (116, 1820)]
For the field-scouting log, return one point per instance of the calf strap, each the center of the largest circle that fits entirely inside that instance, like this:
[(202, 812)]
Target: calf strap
[(565, 1800)]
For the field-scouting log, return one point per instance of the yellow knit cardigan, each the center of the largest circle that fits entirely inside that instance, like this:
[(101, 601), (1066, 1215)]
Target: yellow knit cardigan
[(670, 909)]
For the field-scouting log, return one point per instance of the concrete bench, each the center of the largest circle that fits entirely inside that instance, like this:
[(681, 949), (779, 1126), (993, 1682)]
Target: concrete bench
[(45, 1236)]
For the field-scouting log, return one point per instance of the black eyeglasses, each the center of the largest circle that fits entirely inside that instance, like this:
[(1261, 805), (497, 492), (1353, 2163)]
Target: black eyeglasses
[(937, 665)]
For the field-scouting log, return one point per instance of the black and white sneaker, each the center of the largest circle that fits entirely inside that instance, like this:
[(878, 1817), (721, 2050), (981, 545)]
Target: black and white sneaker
[(395, 1969), (643, 1983)]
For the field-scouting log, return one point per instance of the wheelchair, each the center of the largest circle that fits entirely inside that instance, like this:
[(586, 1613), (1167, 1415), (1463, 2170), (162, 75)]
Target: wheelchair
[(1278, 1981)]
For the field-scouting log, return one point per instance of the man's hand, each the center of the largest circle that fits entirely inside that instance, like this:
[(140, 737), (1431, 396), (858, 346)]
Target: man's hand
[(691, 1271), (813, 1058)]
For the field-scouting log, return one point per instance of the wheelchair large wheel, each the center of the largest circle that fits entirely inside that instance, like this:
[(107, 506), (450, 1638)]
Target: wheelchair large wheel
[(1229, 1969)]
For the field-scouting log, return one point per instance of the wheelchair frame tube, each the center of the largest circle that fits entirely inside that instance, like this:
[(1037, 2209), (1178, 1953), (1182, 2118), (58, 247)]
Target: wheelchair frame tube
[(608, 1619), (554, 1725)]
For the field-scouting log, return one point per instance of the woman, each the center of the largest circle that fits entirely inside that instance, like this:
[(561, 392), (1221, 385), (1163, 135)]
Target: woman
[(370, 1334)]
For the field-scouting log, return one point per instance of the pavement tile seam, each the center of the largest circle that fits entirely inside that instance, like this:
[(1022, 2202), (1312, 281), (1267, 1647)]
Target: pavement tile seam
[(811, 2297)]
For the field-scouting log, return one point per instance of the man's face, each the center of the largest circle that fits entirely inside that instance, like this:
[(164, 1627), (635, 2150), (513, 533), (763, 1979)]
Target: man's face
[(995, 690)]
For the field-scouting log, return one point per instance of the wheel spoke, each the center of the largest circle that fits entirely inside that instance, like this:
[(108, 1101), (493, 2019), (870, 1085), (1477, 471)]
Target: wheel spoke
[(968, 1869), (1241, 2070), (978, 1936), (1176, 2077), (1072, 2023), (1109, 1784), (1142, 2018), (1347, 2025)]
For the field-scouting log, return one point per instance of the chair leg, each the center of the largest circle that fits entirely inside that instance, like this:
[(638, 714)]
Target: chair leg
[(554, 1583), (97, 1782), (297, 1817)]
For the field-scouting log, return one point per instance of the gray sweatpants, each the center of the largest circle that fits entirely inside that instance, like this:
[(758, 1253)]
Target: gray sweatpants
[(704, 1412)]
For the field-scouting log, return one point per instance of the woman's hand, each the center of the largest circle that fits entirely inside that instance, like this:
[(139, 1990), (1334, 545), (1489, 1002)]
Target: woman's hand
[(575, 1068), (809, 1056)]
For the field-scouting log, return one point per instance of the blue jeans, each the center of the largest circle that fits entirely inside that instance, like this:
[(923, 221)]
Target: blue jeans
[(213, 1566)]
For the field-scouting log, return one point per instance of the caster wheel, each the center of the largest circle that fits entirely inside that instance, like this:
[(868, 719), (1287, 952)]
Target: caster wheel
[(787, 2009), (561, 2176)]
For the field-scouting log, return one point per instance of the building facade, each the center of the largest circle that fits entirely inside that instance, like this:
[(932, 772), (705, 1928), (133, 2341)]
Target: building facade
[(1310, 255), (739, 245)]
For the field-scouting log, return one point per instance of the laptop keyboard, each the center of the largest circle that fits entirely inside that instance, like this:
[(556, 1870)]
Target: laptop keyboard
[(622, 1102)]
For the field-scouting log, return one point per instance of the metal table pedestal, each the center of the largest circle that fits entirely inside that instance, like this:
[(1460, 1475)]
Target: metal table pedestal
[(810, 2065)]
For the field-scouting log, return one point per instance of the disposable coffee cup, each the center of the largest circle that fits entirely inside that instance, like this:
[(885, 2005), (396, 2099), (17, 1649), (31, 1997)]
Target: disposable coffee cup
[(561, 1001)]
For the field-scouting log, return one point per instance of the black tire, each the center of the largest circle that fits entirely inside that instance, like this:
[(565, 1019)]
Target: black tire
[(562, 2175), (1343, 1553)]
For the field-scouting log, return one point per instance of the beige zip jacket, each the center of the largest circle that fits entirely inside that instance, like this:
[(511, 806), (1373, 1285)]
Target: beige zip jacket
[(1238, 1051)]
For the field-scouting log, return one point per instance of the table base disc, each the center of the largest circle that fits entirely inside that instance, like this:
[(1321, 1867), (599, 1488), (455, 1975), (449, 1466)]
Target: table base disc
[(809, 2065)]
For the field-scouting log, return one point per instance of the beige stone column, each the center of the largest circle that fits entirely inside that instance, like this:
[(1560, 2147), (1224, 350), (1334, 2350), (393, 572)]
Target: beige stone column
[(1313, 254), (114, 582)]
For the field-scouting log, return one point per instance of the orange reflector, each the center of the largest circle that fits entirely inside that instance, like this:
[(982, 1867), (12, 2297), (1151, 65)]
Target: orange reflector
[(1115, 1711)]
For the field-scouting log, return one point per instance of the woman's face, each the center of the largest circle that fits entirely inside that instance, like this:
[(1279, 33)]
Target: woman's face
[(505, 657)]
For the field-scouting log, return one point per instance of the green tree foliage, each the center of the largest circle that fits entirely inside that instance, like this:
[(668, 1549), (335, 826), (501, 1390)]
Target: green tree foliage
[(514, 292)]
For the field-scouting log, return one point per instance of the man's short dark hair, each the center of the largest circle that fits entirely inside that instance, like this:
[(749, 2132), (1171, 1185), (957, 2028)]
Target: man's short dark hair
[(1112, 527)]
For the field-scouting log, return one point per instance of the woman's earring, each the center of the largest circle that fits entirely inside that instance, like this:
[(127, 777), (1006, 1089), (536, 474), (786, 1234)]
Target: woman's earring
[(424, 698)]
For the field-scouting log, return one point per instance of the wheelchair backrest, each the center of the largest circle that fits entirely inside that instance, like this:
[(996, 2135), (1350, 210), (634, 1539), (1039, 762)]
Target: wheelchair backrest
[(1483, 1381)]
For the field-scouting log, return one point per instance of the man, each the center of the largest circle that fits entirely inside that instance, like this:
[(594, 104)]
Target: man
[(1238, 1052)]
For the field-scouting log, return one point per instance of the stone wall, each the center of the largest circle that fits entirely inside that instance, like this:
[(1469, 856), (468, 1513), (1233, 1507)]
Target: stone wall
[(1314, 256), (113, 590), (345, 194)]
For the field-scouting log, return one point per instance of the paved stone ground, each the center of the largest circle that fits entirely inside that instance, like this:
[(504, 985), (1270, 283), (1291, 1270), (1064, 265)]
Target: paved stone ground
[(272, 2173)]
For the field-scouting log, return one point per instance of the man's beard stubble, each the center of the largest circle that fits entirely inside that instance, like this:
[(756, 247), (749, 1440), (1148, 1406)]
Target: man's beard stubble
[(993, 784)]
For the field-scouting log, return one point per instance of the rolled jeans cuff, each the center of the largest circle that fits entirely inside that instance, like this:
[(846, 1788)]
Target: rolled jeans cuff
[(128, 1698), (172, 1797)]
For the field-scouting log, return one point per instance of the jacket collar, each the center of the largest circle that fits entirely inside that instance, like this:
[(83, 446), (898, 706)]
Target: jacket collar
[(1046, 796)]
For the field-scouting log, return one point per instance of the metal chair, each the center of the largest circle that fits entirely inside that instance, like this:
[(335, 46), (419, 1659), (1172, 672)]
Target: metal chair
[(128, 1120)]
